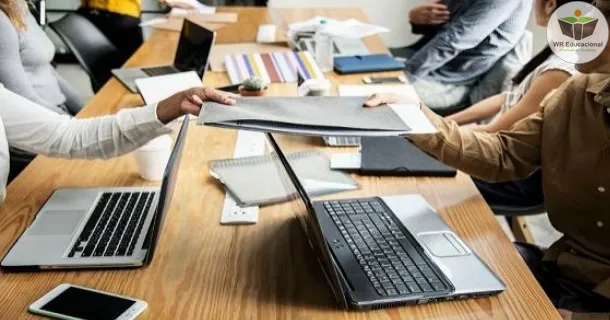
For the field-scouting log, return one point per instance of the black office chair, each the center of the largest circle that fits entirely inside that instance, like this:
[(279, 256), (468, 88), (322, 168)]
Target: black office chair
[(515, 216), (94, 52)]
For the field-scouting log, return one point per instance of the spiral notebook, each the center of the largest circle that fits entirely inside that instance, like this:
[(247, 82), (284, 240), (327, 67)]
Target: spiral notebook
[(255, 180)]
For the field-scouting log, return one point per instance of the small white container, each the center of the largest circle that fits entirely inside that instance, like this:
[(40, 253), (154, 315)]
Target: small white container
[(319, 87), (324, 51), (152, 158)]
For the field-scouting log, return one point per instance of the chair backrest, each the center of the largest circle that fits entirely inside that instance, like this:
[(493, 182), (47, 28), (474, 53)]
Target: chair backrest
[(95, 53)]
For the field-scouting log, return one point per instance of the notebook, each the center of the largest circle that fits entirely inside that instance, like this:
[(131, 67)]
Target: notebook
[(396, 156), (273, 67), (255, 181), (367, 63)]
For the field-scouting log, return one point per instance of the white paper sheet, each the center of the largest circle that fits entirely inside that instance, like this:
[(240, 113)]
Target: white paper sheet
[(155, 89), (342, 161), (414, 117), (350, 28), (365, 90), (194, 4)]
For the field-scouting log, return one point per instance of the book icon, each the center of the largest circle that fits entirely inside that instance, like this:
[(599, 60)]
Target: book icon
[(577, 28)]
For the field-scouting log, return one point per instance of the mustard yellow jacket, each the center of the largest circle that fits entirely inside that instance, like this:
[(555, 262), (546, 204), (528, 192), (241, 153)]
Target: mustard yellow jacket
[(126, 7)]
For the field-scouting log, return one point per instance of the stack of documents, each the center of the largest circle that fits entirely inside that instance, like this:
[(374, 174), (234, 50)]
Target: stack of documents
[(211, 21), (272, 67), (317, 116), (350, 28), (255, 180), (184, 7)]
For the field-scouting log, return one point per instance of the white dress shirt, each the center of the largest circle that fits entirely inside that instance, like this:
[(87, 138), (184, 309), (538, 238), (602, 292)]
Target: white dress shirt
[(30, 127)]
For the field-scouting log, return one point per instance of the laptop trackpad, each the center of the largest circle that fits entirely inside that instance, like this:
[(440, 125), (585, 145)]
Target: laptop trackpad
[(56, 222), (442, 244)]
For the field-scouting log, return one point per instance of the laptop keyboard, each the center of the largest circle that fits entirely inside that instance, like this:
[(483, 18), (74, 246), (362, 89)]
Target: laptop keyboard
[(159, 71), (388, 257), (115, 225)]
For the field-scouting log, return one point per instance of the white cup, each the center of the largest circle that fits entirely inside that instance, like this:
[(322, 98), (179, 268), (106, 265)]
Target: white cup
[(319, 87), (152, 158)]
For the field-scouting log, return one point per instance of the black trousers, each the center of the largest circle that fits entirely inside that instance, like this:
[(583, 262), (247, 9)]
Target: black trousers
[(564, 293), (526, 192), (122, 30)]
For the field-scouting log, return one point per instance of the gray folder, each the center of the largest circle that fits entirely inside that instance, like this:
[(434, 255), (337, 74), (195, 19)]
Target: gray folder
[(255, 180), (317, 116)]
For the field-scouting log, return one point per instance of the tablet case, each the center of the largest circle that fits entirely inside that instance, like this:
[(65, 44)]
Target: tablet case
[(367, 63), (396, 156)]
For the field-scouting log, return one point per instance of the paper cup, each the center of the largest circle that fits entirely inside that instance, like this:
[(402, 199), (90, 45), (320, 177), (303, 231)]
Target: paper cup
[(152, 158)]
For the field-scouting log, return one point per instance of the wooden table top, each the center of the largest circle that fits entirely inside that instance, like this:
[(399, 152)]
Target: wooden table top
[(203, 270)]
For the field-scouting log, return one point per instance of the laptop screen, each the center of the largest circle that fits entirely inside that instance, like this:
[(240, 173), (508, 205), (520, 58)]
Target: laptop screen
[(303, 209), (167, 190), (194, 48)]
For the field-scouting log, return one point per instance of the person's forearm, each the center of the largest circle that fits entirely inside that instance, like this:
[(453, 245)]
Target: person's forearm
[(530, 102), (35, 129), (490, 157), (99, 137), (480, 111)]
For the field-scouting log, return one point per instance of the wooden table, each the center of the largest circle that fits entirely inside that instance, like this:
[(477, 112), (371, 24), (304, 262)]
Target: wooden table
[(202, 270)]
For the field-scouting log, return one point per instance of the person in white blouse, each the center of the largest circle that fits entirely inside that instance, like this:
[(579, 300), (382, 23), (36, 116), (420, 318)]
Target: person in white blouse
[(31, 127)]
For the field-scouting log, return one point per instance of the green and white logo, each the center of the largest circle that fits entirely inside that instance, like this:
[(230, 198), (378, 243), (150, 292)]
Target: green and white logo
[(577, 32)]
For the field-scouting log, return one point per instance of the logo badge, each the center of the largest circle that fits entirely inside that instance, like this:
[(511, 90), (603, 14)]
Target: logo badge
[(577, 32)]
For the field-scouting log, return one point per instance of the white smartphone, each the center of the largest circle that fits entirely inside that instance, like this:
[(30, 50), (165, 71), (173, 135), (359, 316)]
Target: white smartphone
[(70, 302), (379, 80)]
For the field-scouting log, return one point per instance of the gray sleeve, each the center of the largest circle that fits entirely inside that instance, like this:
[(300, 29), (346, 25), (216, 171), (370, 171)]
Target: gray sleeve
[(12, 73), (463, 32), (74, 102)]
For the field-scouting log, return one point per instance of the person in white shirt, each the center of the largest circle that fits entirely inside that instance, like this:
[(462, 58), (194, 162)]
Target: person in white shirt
[(31, 127)]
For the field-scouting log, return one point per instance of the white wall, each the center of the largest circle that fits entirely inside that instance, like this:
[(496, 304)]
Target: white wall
[(392, 14)]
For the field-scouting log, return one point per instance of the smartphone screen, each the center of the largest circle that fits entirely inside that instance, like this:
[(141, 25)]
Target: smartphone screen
[(90, 305)]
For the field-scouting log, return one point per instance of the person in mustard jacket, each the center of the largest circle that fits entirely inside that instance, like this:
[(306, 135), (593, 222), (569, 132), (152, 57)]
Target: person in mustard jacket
[(119, 20)]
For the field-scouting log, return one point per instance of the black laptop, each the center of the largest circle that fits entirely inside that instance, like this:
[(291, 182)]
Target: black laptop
[(192, 54), (386, 251), (396, 156)]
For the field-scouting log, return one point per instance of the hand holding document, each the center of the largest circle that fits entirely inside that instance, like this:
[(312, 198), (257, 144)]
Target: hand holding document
[(317, 116)]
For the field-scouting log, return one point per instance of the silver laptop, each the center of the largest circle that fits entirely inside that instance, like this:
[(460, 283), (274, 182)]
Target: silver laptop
[(97, 227), (341, 46), (386, 251), (192, 54)]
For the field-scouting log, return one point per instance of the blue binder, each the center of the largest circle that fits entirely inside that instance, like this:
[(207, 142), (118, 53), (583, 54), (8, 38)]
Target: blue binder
[(367, 63)]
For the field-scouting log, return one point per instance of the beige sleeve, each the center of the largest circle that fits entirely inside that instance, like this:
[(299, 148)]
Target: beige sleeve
[(507, 155)]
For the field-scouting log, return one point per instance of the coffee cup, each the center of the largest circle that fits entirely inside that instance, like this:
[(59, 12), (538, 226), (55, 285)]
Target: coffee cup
[(152, 158)]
